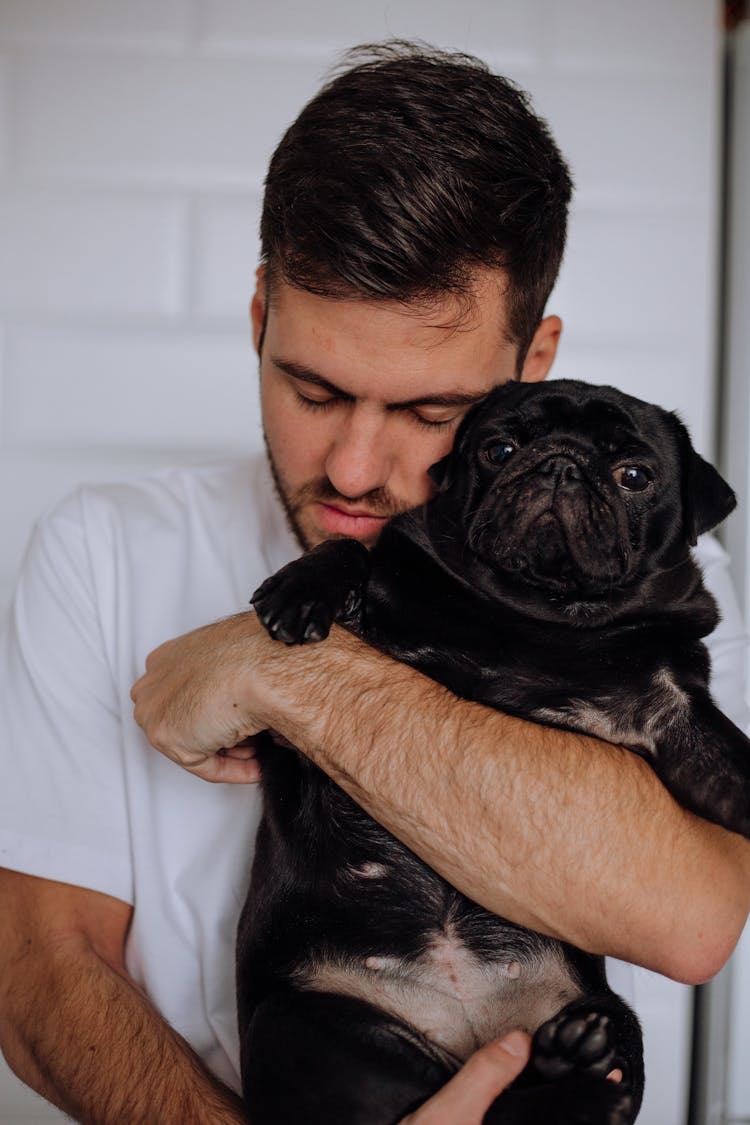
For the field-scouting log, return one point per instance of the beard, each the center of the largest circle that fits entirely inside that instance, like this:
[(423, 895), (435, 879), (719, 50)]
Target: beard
[(379, 502)]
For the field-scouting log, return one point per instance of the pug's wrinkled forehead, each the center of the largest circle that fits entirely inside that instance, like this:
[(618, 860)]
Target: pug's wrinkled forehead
[(606, 416)]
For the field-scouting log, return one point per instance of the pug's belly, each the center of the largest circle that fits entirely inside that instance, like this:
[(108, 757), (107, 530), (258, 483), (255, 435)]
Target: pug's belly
[(455, 999)]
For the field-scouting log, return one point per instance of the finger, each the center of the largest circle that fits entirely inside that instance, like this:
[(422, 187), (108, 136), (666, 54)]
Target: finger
[(240, 753), (246, 749), (227, 771), (468, 1095)]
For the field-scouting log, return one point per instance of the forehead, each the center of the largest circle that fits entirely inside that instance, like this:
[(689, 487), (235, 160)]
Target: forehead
[(391, 350), (611, 424), (589, 416)]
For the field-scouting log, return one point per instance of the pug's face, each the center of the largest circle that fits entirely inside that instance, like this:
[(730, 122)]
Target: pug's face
[(573, 494)]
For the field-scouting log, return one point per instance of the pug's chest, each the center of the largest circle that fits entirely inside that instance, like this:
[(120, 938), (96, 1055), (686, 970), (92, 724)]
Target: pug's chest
[(623, 684)]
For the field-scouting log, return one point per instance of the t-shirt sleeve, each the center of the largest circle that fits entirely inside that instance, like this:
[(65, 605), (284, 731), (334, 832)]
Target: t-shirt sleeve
[(63, 808), (728, 642)]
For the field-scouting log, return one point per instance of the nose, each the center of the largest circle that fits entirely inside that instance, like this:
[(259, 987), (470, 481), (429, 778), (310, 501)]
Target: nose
[(559, 470), (359, 460)]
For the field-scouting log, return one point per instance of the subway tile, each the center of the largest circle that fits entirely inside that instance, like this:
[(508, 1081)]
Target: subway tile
[(90, 253), (505, 25), (156, 120), (136, 22), (645, 276), (142, 390), (634, 138), (607, 34), (226, 254)]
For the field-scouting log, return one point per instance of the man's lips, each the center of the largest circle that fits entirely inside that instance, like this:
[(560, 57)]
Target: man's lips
[(356, 524)]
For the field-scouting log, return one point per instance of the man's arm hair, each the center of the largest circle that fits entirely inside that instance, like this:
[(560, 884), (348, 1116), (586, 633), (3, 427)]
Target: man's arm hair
[(77, 1029), (557, 831), (560, 832)]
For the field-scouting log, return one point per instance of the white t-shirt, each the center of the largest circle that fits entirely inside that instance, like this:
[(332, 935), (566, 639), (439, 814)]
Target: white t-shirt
[(110, 574)]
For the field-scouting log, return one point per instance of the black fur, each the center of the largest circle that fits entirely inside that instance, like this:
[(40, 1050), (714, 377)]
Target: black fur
[(535, 583)]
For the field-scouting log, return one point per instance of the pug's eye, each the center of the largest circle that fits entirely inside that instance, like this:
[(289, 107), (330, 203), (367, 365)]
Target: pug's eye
[(499, 452), (632, 478)]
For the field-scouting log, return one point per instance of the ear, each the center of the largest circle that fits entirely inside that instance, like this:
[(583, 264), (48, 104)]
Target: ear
[(707, 499), (441, 473), (542, 350), (258, 307)]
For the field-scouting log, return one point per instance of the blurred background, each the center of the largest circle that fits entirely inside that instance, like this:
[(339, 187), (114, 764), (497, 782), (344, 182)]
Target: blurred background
[(134, 139)]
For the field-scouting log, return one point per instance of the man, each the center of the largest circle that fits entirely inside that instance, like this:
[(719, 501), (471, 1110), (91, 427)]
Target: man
[(413, 225)]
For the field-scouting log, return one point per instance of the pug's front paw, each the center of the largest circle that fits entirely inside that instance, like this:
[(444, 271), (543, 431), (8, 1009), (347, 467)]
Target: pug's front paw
[(301, 601), (291, 612)]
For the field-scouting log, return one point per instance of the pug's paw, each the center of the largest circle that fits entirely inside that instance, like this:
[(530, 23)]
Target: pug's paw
[(574, 1041), (291, 612), (301, 601)]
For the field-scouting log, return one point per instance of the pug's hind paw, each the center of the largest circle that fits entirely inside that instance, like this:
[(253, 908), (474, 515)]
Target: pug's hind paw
[(574, 1041)]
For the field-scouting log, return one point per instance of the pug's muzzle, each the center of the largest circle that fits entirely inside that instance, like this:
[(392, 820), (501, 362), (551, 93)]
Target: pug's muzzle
[(552, 520)]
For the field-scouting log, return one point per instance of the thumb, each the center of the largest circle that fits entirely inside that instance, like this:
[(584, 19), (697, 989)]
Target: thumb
[(470, 1093)]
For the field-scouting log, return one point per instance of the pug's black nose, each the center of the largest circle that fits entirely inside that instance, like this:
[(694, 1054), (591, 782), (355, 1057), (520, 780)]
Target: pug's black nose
[(559, 470)]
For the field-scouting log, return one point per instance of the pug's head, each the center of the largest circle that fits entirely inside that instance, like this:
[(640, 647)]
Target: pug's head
[(569, 496)]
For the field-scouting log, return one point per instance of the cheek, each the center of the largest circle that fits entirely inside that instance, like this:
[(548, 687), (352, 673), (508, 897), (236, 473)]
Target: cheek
[(295, 439)]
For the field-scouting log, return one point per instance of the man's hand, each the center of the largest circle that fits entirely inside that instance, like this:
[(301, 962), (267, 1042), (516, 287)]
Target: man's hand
[(468, 1096), (190, 705)]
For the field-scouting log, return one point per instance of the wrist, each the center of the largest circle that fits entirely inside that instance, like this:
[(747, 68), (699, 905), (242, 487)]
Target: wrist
[(302, 691)]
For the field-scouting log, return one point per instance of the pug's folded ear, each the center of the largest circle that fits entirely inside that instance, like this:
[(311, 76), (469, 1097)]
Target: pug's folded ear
[(707, 499), (441, 473)]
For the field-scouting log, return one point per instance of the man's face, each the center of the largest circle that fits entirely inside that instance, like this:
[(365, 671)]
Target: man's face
[(359, 397)]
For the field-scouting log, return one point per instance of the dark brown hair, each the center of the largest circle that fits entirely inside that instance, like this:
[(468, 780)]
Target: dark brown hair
[(411, 168)]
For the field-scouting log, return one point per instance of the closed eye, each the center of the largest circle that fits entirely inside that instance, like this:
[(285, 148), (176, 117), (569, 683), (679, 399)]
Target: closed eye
[(322, 404), (434, 423), (315, 403)]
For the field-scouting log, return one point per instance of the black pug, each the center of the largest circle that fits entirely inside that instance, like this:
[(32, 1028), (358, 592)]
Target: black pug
[(550, 577)]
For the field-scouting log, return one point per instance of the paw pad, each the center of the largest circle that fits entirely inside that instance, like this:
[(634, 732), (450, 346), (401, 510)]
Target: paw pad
[(580, 1041)]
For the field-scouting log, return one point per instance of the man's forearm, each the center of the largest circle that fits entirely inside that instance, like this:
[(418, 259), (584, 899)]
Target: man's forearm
[(86, 1039), (553, 830), (559, 832)]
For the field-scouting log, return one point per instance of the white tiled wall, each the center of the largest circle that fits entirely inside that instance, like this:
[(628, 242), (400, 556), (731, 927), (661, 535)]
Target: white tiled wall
[(133, 142)]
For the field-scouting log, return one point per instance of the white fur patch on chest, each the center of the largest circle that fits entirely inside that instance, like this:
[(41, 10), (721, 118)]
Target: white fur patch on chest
[(639, 722), (452, 997)]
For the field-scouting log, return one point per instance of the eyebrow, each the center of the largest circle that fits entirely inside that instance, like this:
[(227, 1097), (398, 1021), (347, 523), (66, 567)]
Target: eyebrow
[(307, 375)]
